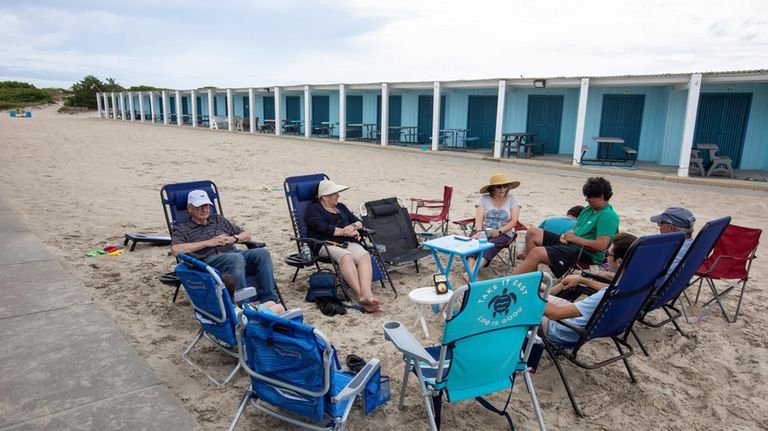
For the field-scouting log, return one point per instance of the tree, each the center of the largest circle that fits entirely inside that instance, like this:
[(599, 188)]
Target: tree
[(83, 93)]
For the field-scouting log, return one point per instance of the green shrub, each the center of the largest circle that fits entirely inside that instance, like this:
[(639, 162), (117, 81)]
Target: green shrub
[(14, 94)]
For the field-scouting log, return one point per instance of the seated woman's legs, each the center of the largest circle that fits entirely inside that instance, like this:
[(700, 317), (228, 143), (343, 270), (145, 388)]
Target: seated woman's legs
[(500, 243), (356, 275)]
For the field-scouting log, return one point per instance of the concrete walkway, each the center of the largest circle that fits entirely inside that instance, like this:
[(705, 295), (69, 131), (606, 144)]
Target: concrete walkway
[(63, 365)]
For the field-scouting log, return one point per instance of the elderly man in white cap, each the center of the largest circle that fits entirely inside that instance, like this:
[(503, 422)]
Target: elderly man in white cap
[(212, 238), (330, 221)]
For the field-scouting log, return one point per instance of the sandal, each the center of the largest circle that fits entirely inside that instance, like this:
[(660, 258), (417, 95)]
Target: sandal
[(355, 363), (326, 306)]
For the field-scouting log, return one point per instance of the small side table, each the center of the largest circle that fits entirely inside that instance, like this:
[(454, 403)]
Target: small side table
[(427, 296)]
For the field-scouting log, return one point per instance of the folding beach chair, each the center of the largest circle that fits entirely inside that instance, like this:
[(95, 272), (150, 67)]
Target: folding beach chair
[(507, 260), (295, 374), (730, 262), (667, 294), (646, 260), (299, 192), (484, 345), (394, 236), (437, 221), (174, 200)]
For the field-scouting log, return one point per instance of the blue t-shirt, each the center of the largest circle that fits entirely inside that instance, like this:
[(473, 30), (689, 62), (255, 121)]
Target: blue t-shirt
[(559, 224), (563, 334), (680, 254)]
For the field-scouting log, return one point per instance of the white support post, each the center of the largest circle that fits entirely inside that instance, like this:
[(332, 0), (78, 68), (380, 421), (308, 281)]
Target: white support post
[(114, 106), (501, 103), (122, 105), (106, 104), (166, 109), (178, 108), (131, 107), (436, 107), (211, 120), (278, 114), (689, 126), (384, 113), (193, 104), (581, 118), (307, 111), (342, 112), (230, 111), (152, 106), (141, 106), (252, 110), (98, 103)]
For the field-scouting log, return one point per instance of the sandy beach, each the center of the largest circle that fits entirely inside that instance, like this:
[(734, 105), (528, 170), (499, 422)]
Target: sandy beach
[(81, 183)]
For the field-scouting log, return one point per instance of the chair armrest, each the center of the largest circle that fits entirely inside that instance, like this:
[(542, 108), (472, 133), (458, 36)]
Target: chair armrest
[(590, 275), (245, 294), (405, 342), (732, 259), (578, 329), (292, 314), (254, 244), (357, 384)]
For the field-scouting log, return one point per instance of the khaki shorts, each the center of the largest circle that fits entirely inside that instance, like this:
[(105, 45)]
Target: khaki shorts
[(353, 249)]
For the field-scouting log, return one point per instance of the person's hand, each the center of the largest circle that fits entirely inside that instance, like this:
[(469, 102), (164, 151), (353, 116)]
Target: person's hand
[(570, 281), (494, 233), (567, 237), (220, 240), (348, 230)]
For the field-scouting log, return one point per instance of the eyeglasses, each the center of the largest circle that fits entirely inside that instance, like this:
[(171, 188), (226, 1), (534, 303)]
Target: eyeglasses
[(608, 253)]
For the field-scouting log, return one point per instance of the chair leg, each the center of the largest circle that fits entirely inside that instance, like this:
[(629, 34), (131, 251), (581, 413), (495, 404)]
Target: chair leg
[(295, 273), (639, 341), (406, 373), (176, 293), (243, 403), (534, 400), (567, 386), (626, 361)]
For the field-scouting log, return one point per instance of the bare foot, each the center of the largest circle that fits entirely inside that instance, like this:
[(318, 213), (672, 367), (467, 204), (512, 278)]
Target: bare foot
[(370, 304)]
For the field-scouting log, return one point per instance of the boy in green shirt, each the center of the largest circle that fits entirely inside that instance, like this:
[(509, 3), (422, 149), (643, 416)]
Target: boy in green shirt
[(587, 242)]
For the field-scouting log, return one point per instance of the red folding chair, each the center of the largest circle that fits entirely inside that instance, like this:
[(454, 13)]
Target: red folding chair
[(730, 262), (438, 221), (468, 225)]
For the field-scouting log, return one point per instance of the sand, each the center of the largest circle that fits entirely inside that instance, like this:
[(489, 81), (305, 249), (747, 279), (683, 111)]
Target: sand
[(80, 183)]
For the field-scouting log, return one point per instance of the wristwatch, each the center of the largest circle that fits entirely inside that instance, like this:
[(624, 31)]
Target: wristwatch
[(236, 239)]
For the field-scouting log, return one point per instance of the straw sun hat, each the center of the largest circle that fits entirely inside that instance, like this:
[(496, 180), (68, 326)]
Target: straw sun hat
[(499, 180), (328, 187)]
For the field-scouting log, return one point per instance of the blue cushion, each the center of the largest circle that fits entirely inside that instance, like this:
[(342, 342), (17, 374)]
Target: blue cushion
[(306, 191)]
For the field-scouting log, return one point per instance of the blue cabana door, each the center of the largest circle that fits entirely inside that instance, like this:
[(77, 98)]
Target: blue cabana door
[(246, 107), (481, 119), (292, 108), (269, 108), (722, 120), (545, 115), (622, 117), (354, 115), (395, 109), (426, 109), (320, 109)]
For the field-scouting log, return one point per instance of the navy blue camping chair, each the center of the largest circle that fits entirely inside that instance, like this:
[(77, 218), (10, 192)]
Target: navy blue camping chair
[(295, 374), (667, 294), (299, 192), (646, 260), (174, 200)]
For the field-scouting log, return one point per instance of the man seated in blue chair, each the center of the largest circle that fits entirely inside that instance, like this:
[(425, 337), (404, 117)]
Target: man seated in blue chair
[(212, 238), (675, 219)]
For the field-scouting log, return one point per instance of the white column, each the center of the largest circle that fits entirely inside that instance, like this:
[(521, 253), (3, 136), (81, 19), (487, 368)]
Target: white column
[(210, 109), (131, 107), (581, 118), (166, 111), (278, 114), (106, 105), (307, 111), (141, 106), (252, 110), (230, 111), (152, 106), (691, 109), (121, 104), (193, 105), (114, 106), (436, 107), (384, 113), (178, 108), (98, 103), (342, 112), (501, 102)]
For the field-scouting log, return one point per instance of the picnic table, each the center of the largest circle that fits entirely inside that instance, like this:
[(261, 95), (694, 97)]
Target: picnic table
[(522, 142), (608, 149)]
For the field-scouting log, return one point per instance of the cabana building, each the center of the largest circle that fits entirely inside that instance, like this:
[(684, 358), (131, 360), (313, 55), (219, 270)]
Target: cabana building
[(654, 118)]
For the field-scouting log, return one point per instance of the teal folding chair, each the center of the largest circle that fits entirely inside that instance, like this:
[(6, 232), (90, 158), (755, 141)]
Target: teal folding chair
[(485, 345)]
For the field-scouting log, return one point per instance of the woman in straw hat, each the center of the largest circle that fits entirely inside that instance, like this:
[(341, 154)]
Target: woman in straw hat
[(497, 214), (331, 221)]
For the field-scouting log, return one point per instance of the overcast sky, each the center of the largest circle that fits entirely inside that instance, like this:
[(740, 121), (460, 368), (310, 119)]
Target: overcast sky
[(242, 43)]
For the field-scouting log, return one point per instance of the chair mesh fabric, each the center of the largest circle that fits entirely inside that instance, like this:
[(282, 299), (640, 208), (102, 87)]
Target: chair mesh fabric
[(174, 198), (491, 328), (393, 230), (205, 294), (681, 276), (735, 245)]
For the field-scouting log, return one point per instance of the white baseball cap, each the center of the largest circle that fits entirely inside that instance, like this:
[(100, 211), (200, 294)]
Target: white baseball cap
[(198, 198)]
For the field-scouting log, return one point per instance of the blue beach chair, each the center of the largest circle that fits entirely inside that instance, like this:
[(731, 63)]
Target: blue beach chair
[(646, 260), (299, 192), (295, 374), (667, 295), (488, 342)]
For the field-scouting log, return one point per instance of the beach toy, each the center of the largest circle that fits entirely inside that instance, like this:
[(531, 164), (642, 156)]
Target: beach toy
[(92, 253), (116, 252), (423, 147)]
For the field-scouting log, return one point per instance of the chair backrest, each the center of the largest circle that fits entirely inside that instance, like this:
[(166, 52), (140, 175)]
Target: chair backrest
[(289, 363), (646, 260), (678, 280), (389, 218), (174, 200), (729, 259), (447, 195), (209, 297), (486, 337), (299, 192)]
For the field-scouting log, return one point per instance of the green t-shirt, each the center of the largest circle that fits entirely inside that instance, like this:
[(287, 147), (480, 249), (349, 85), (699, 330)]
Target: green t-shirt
[(592, 224)]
